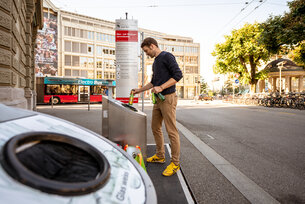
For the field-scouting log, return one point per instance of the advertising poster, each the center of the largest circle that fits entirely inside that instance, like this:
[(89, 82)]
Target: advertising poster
[(46, 47)]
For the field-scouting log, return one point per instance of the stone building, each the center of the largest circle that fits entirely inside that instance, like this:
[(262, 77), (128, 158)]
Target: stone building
[(19, 22)]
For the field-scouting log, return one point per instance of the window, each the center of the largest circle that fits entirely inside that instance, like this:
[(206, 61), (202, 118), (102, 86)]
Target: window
[(90, 62), (68, 89), (83, 61), (90, 49), (74, 20), (65, 19), (77, 32), (75, 47), (90, 35), (67, 60), (83, 33), (90, 74), (75, 61), (52, 89), (75, 72), (99, 63), (67, 72), (109, 64), (112, 75), (84, 73), (83, 48), (99, 74), (99, 50), (67, 46), (106, 75), (67, 31), (112, 64), (112, 52)]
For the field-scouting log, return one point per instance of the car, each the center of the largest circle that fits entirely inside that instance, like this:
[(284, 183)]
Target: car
[(205, 97)]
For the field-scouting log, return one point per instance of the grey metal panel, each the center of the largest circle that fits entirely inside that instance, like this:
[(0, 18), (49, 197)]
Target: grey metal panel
[(123, 125), (8, 113)]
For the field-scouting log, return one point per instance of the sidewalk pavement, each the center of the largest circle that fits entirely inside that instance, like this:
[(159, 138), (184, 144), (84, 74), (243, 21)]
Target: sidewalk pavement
[(206, 183)]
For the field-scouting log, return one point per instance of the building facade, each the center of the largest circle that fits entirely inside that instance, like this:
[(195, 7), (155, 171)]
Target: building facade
[(85, 47), (19, 22)]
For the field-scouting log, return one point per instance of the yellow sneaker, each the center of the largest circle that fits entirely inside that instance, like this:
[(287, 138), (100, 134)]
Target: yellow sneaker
[(155, 159), (171, 169)]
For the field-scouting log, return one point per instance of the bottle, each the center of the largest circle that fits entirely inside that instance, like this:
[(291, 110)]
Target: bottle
[(153, 97), (131, 98), (161, 97)]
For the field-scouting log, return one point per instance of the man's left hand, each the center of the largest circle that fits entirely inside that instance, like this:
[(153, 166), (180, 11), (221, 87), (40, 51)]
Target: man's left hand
[(157, 89)]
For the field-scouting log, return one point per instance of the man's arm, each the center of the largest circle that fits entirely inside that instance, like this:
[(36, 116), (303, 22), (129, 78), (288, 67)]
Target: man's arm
[(144, 88), (175, 73), (167, 84)]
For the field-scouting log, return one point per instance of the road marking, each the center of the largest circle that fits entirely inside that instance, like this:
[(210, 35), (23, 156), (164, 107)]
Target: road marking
[(185, 189), (211, 137), (287, 113), (253, 192)]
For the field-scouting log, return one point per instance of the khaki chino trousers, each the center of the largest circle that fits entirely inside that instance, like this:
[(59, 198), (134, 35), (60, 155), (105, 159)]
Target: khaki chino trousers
[(166, 110)]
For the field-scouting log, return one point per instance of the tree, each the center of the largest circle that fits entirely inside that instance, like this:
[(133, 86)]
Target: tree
[(284, 33), (203, 86), (241, 53), (272, 34), (294, 22), (298, 54)]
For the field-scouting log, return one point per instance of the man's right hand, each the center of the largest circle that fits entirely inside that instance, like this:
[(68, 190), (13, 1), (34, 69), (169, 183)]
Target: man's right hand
[(136, 91)]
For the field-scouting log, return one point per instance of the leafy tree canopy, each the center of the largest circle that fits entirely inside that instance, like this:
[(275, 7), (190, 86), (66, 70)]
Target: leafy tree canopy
[(282, 33), (298, 54), (295, 23), (241, 53)]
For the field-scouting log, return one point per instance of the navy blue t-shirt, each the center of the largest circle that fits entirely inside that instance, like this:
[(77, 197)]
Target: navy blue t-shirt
[(164, 68)]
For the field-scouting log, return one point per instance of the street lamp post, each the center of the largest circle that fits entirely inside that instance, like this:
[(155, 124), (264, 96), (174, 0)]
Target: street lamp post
[(280, 67)]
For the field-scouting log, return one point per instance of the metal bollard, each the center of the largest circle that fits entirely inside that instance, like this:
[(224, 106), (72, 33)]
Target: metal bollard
[(52, 101), (88, 102)]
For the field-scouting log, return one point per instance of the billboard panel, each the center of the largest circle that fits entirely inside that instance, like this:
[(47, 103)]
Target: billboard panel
[(46, 59)]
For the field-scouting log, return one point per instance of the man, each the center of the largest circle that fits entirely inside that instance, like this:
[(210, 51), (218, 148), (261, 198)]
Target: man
[(166, 73)]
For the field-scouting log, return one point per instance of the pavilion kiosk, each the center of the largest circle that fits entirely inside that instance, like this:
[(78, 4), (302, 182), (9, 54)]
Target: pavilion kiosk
[(124, 124)]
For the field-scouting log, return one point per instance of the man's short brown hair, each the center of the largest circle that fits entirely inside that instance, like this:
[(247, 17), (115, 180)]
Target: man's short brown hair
[(149, 41)]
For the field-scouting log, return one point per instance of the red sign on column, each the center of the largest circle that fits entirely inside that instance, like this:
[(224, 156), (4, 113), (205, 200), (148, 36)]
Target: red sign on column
[(126, 36)]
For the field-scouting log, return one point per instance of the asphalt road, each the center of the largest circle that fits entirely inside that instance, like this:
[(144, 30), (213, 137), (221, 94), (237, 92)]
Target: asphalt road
[(265, 144)]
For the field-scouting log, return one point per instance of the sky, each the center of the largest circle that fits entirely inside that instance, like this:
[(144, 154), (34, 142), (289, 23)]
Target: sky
[(206, 21)]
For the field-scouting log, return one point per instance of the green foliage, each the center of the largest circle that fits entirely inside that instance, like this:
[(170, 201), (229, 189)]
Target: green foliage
[(241, 53), (282, 33), (298, 54), (272, 35), (295, 23), (203, 86), (228, 85)]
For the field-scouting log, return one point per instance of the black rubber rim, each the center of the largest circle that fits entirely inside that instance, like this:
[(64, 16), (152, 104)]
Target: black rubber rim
[(18, 171)]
